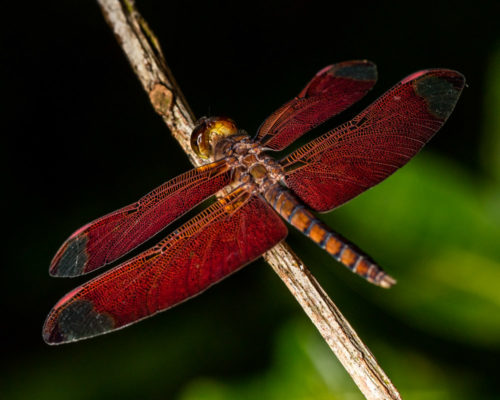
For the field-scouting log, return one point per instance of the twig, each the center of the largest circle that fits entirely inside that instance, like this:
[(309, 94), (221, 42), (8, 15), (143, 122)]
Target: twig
[(144, 54)]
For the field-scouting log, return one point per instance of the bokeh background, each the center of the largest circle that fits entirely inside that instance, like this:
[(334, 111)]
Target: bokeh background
[(80, 139)]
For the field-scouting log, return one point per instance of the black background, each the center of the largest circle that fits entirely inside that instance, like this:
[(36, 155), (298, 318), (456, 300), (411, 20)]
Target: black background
[(81, 139)]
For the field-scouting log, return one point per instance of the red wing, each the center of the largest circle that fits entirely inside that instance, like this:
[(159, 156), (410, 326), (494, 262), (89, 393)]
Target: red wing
[(110, 237), (218, 241), (346, 161), (330, 92)]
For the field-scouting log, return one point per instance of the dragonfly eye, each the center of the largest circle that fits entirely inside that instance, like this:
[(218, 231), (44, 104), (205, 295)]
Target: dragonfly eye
[(208, 131)]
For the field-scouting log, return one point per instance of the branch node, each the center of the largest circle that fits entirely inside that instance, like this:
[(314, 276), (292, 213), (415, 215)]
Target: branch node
[(161, 99)]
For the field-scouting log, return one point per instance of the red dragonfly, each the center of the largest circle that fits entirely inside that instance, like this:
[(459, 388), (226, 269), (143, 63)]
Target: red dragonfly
[(243, 224)]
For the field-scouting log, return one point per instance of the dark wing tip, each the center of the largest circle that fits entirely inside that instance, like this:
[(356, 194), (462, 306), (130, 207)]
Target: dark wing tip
[(441, 89), (361, 70), (74, 321), (71, 259)]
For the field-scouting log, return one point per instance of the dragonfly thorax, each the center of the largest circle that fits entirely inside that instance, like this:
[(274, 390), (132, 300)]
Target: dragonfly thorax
[(252, 167), (216, 138)]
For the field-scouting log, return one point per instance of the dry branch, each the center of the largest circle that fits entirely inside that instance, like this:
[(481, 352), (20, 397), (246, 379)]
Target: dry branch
[(144, 54)]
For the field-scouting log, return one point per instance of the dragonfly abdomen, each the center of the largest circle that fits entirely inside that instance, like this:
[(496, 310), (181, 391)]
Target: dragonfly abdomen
[(297, 215)]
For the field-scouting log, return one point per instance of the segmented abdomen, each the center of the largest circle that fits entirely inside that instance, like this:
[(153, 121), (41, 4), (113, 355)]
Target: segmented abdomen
[(291, 209)]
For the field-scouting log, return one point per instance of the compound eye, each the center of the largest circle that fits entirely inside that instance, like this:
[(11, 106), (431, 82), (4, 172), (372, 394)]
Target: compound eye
[(223, 127), (199, 139), (208, 131)]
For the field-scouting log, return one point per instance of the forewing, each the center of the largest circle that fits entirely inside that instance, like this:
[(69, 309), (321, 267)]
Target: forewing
[(234, 231), (330, 92), (110, 237), (346, 161)]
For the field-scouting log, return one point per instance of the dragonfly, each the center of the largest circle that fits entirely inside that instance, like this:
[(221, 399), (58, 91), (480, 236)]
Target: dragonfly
[(259, 193)]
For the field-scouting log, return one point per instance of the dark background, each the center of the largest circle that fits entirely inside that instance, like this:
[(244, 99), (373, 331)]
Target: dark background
[(81, 139)]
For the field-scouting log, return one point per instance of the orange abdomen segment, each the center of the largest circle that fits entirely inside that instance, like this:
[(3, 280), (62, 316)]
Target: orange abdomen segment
[(296, 214)]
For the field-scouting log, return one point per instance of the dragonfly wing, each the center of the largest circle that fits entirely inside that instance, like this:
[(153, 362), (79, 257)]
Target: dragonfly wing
[(228, 235), (346, 161), (330, 92), (114, 235)]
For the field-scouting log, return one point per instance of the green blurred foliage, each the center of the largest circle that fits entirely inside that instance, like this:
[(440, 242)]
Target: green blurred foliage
[(449, 283), (303, 368)]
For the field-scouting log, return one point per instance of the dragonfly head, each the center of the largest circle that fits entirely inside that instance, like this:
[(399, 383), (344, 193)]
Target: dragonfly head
[(208, 132)]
